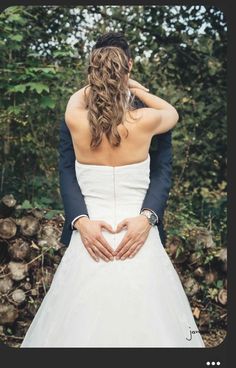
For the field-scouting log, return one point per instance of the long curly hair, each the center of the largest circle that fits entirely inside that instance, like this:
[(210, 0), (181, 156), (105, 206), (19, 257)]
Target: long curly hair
[(108, 98)]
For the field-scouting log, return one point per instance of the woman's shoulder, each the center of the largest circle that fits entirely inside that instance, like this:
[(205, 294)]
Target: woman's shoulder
[(76, 107)]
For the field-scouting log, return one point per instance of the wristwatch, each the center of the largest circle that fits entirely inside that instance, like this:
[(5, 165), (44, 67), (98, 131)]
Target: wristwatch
[(150, 216)]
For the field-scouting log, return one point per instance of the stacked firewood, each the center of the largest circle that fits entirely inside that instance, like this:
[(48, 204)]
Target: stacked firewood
[(30, 252), (202, 268)]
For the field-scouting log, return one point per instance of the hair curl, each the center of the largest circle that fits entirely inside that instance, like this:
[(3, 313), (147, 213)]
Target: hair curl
[(108, 99)]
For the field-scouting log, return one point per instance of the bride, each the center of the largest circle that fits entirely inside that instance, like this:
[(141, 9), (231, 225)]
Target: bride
[(115, 296)]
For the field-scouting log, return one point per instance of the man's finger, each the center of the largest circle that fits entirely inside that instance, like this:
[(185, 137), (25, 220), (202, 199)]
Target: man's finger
[(125, 239), (107, 226), (100, 253), (103, 241), (135, 251), (121, 225), (130, 250), (92, 254), (104, 250), (124, 251), (125, 248), (95, 250)]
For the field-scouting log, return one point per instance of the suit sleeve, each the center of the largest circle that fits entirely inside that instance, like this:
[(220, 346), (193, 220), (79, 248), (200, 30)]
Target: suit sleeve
[(160, 175), (72, 197)]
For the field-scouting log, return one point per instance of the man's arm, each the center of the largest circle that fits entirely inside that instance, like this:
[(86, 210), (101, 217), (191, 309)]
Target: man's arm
[(160, 175), (72, 197)]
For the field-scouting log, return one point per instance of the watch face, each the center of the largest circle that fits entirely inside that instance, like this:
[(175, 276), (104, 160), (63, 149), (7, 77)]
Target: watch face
[(153, 218)]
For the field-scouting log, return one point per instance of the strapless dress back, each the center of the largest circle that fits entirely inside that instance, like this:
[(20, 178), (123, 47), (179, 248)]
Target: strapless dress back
[(113, 193)]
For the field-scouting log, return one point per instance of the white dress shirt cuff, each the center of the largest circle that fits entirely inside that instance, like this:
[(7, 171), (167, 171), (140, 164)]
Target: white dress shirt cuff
[(76, 218)]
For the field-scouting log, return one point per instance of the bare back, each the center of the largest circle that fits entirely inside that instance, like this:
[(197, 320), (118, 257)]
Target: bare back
[(133, 148)]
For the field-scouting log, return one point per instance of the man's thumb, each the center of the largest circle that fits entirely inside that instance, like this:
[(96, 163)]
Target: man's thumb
[(121, 225), (107, 226)]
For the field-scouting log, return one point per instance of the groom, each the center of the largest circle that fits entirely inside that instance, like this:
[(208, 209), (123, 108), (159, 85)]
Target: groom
[(76, 214)]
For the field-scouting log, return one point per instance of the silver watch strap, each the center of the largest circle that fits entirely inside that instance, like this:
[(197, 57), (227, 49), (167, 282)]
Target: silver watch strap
[(157, 219)]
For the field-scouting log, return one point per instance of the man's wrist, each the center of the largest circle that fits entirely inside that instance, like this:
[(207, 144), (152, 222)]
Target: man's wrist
[(79, 221), (75, 220), (153, 212), (143, 215)]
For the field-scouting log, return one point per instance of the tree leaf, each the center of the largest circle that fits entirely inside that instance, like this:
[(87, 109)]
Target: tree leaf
[(38, 87)]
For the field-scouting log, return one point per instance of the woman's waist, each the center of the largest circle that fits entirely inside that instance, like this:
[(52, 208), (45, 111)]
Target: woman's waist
[(118, 199), (113, 211)]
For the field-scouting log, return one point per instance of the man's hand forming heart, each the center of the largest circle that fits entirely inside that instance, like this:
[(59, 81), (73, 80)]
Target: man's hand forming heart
[(93, 239), (136, 235)]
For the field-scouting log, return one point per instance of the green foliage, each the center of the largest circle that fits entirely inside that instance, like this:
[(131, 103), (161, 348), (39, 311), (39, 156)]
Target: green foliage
[(179, 54)]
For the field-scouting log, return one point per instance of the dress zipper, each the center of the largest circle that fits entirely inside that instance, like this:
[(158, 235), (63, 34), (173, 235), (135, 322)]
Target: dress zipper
[(114, 196)]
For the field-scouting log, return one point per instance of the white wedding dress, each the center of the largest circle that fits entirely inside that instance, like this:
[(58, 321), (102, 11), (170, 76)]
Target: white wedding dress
[(136, 302)]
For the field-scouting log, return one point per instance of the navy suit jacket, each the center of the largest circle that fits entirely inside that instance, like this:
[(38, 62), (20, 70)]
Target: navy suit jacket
[(157, 194)]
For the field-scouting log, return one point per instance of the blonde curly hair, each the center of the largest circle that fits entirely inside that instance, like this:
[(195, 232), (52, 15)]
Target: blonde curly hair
[(108, 98)]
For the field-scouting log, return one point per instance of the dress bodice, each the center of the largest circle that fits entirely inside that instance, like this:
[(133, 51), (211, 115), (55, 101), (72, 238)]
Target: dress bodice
[(113, 188)]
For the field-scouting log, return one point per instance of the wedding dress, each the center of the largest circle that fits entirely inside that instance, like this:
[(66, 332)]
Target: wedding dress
[(136, 302)]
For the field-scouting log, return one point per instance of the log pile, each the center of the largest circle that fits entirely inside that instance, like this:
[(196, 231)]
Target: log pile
[(202, 267), (30, 252)]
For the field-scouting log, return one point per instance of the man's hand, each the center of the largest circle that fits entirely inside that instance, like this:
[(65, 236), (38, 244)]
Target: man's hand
[(93, 240), (138, 230)]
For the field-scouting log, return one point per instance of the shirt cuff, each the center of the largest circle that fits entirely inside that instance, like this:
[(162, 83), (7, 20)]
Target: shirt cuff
[(152, 212), (76, 218)]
